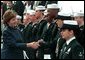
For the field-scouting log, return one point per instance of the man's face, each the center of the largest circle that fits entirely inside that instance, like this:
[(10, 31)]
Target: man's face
[(79, 19), (53, 12), (38, 14), (26, 19), (9, 4), (33, 18)]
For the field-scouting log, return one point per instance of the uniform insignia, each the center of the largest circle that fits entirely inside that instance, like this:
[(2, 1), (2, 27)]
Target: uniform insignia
[(34, 26), (68, 50), (81, 29), (80, 54), (61, 50), (83, 51)]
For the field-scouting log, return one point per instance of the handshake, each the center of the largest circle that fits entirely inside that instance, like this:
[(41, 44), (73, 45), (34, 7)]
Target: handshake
[(35, 45)]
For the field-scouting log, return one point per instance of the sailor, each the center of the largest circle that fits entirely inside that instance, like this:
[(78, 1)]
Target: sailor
[(49, 31), (79, 17), (71, 48)]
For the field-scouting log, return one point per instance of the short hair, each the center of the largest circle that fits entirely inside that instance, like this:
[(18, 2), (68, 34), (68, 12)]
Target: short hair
[(8, 15)]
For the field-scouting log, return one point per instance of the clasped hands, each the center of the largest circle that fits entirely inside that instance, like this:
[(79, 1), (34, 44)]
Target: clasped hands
[(35, 45)]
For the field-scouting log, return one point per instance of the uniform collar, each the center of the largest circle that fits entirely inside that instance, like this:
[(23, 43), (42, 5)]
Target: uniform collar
[(68, 41), (28, 24), (82, 27)]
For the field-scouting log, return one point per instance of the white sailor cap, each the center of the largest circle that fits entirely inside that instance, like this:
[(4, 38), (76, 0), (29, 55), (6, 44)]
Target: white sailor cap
[(70, 24), (18, 17), (28, 11), (40, 7), (78, 14), (64, 14), (31, 12), (52, 6)]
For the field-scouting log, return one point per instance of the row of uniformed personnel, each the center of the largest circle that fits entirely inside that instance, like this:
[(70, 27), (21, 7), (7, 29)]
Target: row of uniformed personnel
[(49, 31), (52, 34)]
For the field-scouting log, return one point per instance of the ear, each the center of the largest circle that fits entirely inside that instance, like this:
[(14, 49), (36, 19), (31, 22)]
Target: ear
[(72, 32)]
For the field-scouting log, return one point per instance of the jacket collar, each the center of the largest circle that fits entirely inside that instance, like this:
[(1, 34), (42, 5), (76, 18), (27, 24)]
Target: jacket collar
[(68, 41)]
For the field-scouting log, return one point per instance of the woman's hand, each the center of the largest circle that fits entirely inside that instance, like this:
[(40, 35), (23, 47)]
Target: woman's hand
[(33, 45)]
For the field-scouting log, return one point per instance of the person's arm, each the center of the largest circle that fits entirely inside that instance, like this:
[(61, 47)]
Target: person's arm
[(77, 53), (11, 42)]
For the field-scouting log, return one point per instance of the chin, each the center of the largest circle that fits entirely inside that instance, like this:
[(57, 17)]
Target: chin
[(14, 25), (63, 37)]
